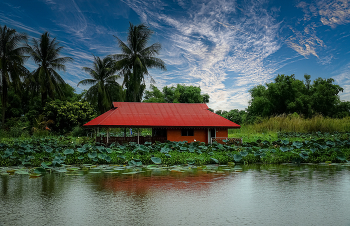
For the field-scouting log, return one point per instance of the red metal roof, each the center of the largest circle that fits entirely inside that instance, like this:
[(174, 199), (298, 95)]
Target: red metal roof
[(135, 114)]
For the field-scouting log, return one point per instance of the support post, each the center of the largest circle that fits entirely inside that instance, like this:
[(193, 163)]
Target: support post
[(138, 136), (107, 135)]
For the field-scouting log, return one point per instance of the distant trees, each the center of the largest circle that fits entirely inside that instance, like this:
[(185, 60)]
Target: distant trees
[(287, 95), (136, 59), (104, 87), (178, 94)]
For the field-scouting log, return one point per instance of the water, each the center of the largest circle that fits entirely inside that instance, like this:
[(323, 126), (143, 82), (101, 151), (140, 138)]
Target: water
[(259, 195)]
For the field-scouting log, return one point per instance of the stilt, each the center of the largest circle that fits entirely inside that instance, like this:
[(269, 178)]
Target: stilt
[(107, 135), (138, 136)]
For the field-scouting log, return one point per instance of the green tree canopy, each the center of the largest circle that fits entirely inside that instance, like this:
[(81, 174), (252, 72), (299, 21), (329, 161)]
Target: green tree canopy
[(66, 115), (135, 60), (178, 94), (11, 63), (45, 52), (105, 88), (287, 95)]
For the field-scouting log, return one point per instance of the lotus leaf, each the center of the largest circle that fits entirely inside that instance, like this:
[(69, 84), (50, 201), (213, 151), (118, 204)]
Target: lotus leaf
[(45, 165), (131, 163), (285, 142), (167, 155), (164, 150), (244, 153), (92, 155), (68, 151), (101, 156), (100, 148), (81, 150), (39, 170), (121, 156), (237, 157), (284, 149), (156, 160), (215, 160), (313, 150), (109, 150), (48, 149), (81, 157), (341, 157), (297, 144)]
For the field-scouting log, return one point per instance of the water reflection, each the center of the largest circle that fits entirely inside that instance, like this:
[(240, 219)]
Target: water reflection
[(260, 195)]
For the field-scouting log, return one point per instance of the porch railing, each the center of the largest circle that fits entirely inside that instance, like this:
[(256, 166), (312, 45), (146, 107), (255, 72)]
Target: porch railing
[(123, 140)]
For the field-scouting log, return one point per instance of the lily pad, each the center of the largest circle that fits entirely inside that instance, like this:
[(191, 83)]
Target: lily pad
[(156, 160)]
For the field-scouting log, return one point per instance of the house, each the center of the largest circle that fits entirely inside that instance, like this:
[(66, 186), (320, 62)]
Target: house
[(169, 121)]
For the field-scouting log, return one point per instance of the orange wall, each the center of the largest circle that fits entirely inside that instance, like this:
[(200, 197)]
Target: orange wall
[(200, 135), (221, 132)]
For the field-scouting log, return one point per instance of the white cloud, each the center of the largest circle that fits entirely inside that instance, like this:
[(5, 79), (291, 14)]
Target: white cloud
[(207, 48)]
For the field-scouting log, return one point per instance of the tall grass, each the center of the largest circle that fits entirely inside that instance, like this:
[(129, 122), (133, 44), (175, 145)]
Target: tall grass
[(292, 123)]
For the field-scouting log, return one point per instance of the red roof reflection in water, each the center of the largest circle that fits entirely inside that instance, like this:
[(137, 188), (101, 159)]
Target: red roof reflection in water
[(140, 184)]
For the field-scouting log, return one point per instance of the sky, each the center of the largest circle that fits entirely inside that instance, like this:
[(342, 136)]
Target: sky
[(224, 46)]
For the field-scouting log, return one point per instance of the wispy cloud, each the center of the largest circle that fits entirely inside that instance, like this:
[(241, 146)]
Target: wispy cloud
[(207, 47)]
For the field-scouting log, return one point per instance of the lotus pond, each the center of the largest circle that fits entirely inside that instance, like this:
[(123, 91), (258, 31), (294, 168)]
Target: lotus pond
[(260, 194), (288, 148)]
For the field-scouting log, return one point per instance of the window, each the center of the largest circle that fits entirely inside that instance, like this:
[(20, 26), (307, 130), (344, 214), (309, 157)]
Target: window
[(187, 132)]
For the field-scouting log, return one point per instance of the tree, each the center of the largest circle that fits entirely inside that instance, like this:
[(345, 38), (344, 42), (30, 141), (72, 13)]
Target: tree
[(45, 52), (136, 59), (11, 63), (324, 96), (66, 115), (287, 95), (178, 94), (105, 88)]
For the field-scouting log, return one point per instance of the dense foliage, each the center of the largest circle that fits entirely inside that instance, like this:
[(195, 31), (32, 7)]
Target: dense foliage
[(288, 148), (178, 94), (288, 95), (136, 59), (66, 115), (104, 87)]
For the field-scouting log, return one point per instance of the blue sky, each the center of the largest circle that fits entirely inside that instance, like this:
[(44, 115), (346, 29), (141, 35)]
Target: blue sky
[(225, 47)]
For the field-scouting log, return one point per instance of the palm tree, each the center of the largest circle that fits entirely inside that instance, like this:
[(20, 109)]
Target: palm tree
[(136, 59), (11, 63), (45, 52), (104, 87)]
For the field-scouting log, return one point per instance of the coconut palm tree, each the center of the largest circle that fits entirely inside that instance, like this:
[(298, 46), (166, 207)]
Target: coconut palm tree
[(11, 63), (135, 60), (104, 88), (45, 52)]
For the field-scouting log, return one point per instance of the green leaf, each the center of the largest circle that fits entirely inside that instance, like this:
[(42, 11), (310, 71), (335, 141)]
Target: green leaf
[(285, 142), (92, 155), (297, 144), (68, 151), (284, 149), (244, 153), (40, 170), (81, 150), (215, 160), (81, 157), (48, 149), (156, 160), (237, 157)]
